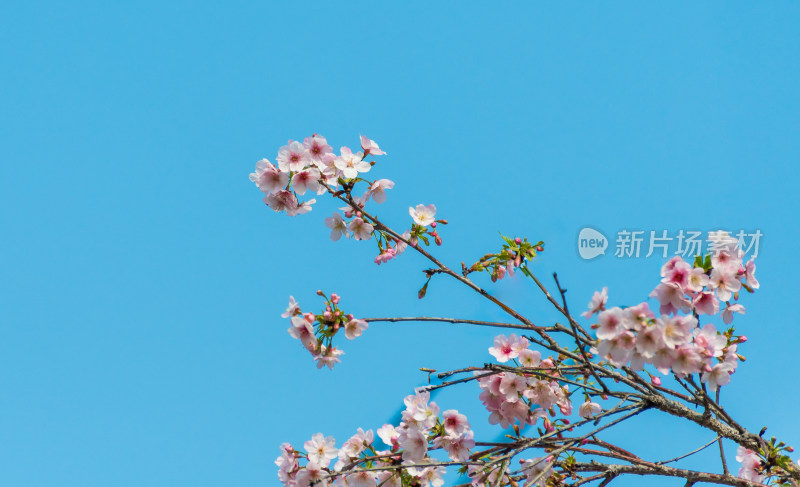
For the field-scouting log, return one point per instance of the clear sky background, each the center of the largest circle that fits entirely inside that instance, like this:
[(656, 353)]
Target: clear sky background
[(142, 278)]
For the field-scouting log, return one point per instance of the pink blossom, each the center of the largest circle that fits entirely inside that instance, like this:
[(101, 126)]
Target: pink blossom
[(361, 229), (505, 349), (389, 435), (422, 214), (650, 340), (321, 450), (706, 303), (671, 297), (687, 360), (377, 190), (302, 330), (610, 323), (385, 256), (328, 357), (454, 422), (361, 479), (597, 304), (400, 246), (354, 328), (293, 157), (293, 308), (726, 282), (312, 473), (589, 409), (351, 164), (697, 280), (414, 444), (709, 340), (678, 329), (457, 446), (720, 375), (529, 358), (338, 226), (268, 178), (678, 273), (370, 147), (750, 274), (317, 148), (537, 468), (307, 179), (750, 462), (727, 313)]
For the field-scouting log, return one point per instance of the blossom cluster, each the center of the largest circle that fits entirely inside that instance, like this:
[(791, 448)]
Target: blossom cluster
[(517, 396), (316, 332), (673, 341), (309, 167), (312, 167), (409, 445)]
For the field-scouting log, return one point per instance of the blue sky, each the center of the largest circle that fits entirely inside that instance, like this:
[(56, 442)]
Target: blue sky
[(143, 279)]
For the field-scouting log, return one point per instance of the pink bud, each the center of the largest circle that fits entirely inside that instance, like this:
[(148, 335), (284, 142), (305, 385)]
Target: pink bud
[(358, 214), (320, 293), (539, 248), (707, 368), (335, 298), (349, 317), (438, 240), (655, 381), (605, 397), (337, 313), (742, 339), (584, 441), (310, 317), (433, 224), (327, 315), (518, 240)]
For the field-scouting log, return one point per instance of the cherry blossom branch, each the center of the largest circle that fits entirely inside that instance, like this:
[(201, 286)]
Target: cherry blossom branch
[(458, 320), (610, 471)]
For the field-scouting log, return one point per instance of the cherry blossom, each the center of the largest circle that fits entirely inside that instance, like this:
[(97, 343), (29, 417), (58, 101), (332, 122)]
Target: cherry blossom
[(377, 190), (268, 178), (293, 157), (351, 164), (370, 147), (307, 179), (422, 214), (337, 225), (589, 409), (317, 148), (354, 328), (321, 450), (361, 229), (597, 304)]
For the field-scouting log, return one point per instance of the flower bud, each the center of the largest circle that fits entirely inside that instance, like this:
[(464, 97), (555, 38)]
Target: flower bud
[(655, 381), (584, 441), (443, 222), (539, 248), (517, 240), (320, 293), (358, 214), (438, 240), (337, 313), (327, 315), (335, 298), (349, 317), (742, 339), (433, 225)]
